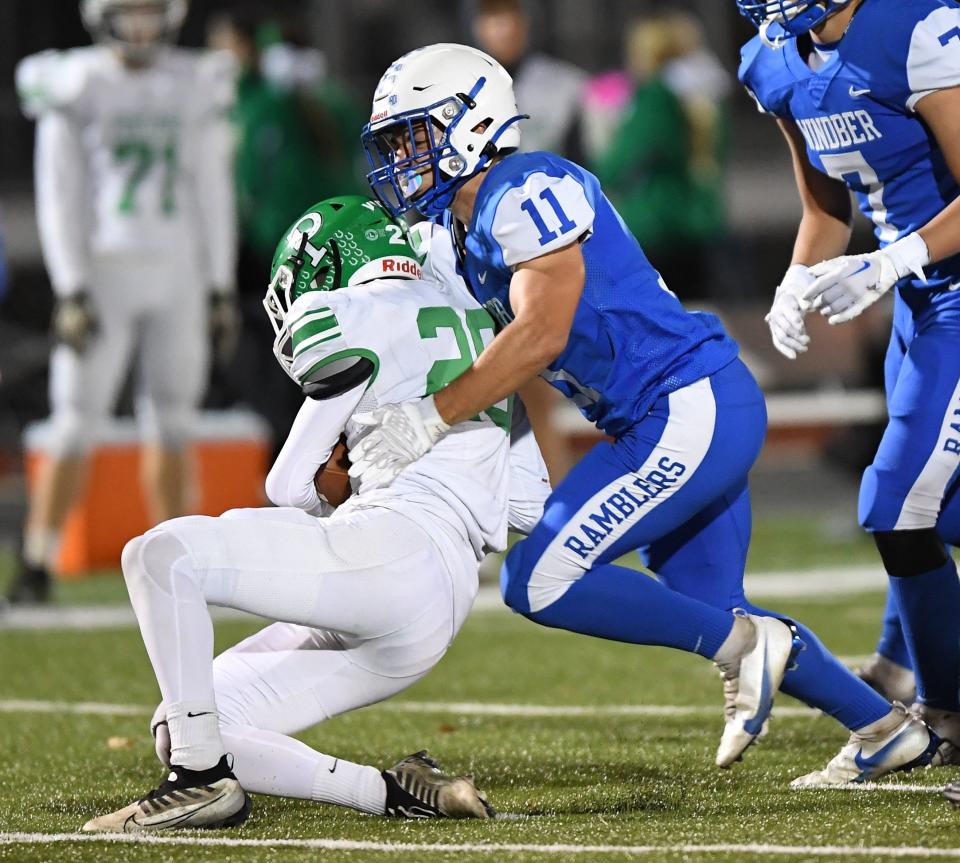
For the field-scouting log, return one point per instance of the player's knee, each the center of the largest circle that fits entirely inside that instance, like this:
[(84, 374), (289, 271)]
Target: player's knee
[(531, 580), (514, 575), (910, 552), (73, 433), (165, 422), (154, 557)]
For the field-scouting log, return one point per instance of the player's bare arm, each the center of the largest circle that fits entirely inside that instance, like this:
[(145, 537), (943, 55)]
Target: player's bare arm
[(544, 294), (825, 228), (824, 232), (941, 112)]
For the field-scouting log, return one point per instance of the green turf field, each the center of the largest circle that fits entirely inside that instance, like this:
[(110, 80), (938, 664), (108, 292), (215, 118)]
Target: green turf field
[(599, 779)]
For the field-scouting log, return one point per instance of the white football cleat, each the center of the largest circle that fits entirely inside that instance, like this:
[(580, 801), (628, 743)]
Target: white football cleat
[(187, 798), (751, 683), (898, 741)]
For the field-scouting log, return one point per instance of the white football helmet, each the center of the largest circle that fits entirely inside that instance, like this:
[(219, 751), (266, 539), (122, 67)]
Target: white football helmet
[(137, 28), (459, 102)]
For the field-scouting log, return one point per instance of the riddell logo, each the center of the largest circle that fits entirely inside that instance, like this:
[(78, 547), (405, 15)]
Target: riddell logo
[(377, 117), (401, 265)]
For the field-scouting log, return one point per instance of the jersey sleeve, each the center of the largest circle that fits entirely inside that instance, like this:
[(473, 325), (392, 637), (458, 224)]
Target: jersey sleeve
[(542, 215), (50, 81), (933, 58), (766, 78), (214, 175), (60, 175), (325, 361)]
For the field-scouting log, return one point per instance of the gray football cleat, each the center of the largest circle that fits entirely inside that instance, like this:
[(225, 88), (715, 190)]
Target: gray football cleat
[(946, 725), (187, 798), (416, 788)]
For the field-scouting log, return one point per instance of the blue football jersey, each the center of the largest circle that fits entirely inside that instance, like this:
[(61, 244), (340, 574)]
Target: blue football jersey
[(857, 115), (631, 341)]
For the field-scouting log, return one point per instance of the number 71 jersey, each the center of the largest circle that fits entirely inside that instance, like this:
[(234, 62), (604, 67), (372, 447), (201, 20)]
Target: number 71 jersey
[(857, 114), (134, 141), (631, 341)]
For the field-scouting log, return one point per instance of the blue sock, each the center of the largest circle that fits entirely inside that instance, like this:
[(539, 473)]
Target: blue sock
[(625, 605), (892, 645), (930, 615), (822, 681)]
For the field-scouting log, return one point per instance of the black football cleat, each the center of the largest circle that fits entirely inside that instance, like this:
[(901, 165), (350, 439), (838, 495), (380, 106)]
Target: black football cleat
[(416, 788), (186, 799)]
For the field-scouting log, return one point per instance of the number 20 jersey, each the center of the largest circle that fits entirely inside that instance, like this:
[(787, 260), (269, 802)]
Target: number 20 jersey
[(857, 116), (419, 334), (631, 341)]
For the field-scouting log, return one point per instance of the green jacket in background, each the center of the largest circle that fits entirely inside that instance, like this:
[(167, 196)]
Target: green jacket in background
[(668, 195), (295, 147)]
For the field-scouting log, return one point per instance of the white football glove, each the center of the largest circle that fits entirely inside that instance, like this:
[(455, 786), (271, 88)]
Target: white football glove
[(785, 318), (399, 435), (846, 286)]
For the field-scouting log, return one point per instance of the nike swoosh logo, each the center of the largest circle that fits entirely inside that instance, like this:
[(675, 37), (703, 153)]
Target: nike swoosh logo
[(421, 89), (866, 266), (333, 769), (482, 278), (194, 715), (755, 726), (875, 760), (856, 94)]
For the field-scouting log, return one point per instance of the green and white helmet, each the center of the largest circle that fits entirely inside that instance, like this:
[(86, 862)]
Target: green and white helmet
[(337, 243)]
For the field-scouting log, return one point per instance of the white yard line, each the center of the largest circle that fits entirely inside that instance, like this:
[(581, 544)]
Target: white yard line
[(464, 708), (870, 852), (811, 585)]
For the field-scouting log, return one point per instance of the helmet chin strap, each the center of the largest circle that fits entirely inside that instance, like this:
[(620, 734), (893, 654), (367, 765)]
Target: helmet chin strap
[(776, 42)]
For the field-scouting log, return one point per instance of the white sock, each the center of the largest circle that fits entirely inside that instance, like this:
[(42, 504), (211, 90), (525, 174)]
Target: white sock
[(741, 640), (40, 546), (194, 735), (884, 725), (266, 762), (167, 597)]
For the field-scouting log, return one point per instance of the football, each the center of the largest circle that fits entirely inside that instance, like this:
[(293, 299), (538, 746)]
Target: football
[(332, 480)]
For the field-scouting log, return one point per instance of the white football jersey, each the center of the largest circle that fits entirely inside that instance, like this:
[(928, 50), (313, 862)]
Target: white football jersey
[(132, 161), (419, 335)]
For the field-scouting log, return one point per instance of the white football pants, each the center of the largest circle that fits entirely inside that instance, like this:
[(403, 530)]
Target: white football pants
[(369, 604), (155, 312)]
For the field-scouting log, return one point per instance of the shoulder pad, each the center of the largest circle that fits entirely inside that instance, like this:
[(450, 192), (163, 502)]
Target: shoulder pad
[(764, 72), (53, 80), (539, 212), (212, 76), (217, 76), (933, 55)]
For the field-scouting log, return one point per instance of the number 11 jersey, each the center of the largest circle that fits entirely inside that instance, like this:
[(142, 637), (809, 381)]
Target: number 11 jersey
[(631, 341)]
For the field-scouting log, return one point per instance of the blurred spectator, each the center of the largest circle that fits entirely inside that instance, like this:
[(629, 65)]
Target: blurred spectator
[(135, 207), (664, 165), (606, 98), (297, 143), (297, 129), (4, 277), (547, 89)]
